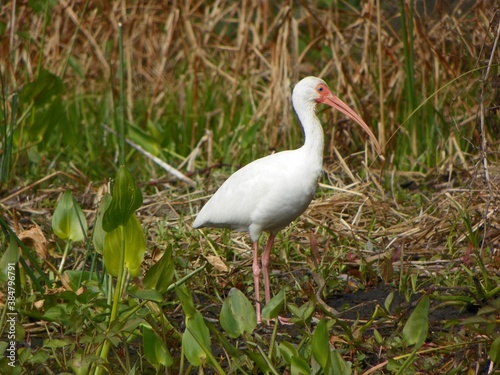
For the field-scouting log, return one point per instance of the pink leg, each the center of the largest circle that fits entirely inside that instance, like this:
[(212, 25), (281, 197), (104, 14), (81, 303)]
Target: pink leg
[(265, 265), (256, 275)]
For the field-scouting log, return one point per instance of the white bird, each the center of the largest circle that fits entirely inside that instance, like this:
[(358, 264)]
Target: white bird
[(269, 193)]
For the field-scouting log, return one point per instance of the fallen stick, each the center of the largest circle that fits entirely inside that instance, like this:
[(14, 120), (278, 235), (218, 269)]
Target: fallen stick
[(175, 172)]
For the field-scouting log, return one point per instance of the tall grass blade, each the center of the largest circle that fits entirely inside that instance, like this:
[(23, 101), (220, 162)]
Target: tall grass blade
[(121, 108), (7, 140), (407, 34)]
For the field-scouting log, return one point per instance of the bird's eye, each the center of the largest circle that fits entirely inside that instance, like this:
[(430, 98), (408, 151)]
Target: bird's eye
[(320, 89)]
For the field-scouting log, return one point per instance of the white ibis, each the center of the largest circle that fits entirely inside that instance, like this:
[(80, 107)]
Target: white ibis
[(269, 193)]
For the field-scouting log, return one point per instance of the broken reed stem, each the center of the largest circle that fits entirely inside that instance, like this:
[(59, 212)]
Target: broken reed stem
[(381, 122)]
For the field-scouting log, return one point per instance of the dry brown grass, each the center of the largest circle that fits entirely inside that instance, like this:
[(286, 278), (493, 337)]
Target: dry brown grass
[(256, 50)]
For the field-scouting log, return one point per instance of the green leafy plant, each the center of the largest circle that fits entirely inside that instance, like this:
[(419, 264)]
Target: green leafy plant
[(415, 331), (68, 223), (237, 315), (124, 242), (155, 349), (196, 337)]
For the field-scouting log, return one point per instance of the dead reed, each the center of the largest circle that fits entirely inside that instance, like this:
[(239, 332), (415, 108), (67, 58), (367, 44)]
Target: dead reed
[(255, 51)]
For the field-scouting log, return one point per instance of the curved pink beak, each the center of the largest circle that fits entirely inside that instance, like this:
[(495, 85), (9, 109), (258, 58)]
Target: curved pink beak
[(336, 103)]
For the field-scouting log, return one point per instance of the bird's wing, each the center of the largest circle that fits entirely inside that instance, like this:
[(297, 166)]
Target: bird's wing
[(233, 203), (259, 193)]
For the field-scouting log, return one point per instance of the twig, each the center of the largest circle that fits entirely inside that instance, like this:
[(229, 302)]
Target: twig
[(319, 296), (176, 173), (30, 186)]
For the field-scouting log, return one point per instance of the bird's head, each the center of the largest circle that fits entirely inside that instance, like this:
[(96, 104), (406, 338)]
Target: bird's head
[(312, 90)]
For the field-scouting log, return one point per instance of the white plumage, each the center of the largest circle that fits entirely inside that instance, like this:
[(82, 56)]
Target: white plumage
[(269, 193)]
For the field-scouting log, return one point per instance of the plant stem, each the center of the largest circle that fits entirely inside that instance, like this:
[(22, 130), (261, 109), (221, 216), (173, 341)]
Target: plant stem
[(116, 298), (407, 362), (65, 255)]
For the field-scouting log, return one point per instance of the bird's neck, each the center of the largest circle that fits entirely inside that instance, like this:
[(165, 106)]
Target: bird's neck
[(313, 132)]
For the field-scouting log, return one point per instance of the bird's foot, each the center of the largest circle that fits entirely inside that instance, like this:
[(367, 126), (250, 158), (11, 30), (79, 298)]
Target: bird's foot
[(281, 319), (285, 321)]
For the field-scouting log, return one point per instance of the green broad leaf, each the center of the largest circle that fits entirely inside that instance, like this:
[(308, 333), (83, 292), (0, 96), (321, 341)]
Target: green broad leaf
[(42, 89), (55, 313), (8, 261), (68, 221), (155, 349), (338, 365), (113, 252), (237, 314), (299, 366), (274, 306), (131, 325), (40, 356), (302, 313), (494, 351), (321, 344), (99, 233), (146, 141), (417, 326), (378, 337), (24, 354), (135, 246), (186, 300), (146, 294), (161, 274), (56, 343), (76, 277), (287, 351), (126, 199), (47, 128), (388, 301), (125, 245), (196, 340)]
